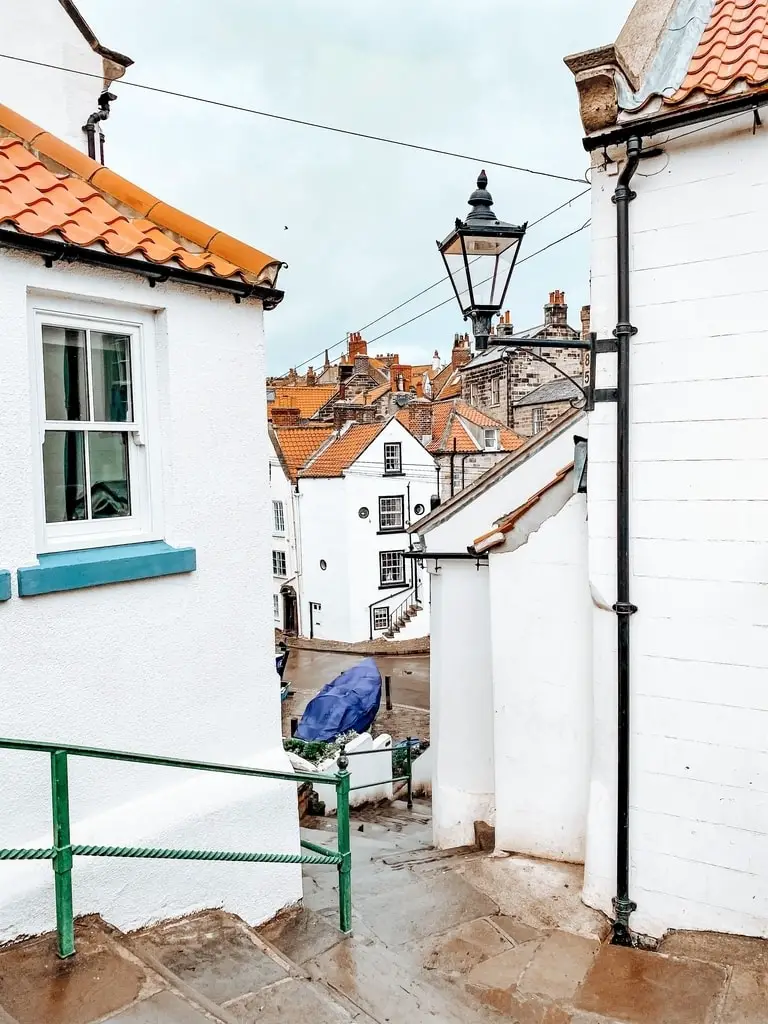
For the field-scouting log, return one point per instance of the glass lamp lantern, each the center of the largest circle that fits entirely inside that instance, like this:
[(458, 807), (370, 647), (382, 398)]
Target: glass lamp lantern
[(479, 256)]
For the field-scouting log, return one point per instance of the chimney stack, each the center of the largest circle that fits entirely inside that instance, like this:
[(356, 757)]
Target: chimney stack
[(311, 379), (461, 353), (400, 377), (362, 365), (505, 326), (346, 412), (420, 420), (285, 417), (586, 322), (292, 376), (556, 311), (436, 361), (357, 346)]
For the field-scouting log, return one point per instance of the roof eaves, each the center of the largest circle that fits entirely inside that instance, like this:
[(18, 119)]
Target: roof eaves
[(497, 472), (90, 36), (498, 535)]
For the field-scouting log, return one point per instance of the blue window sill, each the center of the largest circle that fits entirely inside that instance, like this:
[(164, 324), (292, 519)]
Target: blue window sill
[(93, 567), (5, 585)]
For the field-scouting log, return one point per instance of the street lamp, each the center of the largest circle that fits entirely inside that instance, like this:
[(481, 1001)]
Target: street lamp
[(479, 255)]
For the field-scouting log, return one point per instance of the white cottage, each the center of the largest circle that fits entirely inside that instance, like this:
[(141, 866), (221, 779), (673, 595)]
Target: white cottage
[(624, 721), (357, 495), (134, 505)]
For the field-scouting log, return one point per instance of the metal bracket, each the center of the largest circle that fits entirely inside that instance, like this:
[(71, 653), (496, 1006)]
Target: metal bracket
[(624, 608), (598, 346)]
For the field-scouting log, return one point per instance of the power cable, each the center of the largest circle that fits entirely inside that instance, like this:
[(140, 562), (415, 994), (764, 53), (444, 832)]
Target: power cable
[(406, 302), (296, 120)]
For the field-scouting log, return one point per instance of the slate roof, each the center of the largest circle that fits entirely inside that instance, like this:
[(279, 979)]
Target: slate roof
[(296, 444), (339, 455), (49, 188), (552, 391)]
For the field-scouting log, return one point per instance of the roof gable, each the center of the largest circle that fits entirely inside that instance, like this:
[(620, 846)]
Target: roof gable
[(295, 445), (332, 460), (90, 37)]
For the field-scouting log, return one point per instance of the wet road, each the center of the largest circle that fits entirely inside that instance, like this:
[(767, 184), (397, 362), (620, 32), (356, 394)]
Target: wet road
[(310, 670)]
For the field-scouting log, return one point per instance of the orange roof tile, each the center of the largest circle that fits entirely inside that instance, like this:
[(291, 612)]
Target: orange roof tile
[(308, 399), (49, 187), (507, 523), (447, 427), (297, 444), (733, 48), (340, 455)]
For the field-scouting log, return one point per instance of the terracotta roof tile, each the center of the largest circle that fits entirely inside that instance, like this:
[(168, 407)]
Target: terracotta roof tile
[(340, 455), (733, 48), (447, 427), (49, 187), (297, 444), (307, 399)]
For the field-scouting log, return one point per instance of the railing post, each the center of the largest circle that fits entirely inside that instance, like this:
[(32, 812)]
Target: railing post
[(344, 848), (62, 858), (409, 772)]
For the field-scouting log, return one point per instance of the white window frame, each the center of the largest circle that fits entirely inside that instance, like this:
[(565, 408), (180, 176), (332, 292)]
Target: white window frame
[(145, 521), (391, 583), (284, 574), (537, 419), (399, 512), (494, 444), (399, 449), (278, 518), (276, 607), (380, 611), (496, 391)]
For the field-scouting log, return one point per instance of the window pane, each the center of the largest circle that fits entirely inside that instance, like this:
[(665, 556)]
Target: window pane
[(112, 398), (64, 475), (65, 374), (110, 485)]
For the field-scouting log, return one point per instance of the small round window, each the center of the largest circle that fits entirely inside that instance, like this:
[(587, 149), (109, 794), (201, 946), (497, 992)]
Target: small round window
[(323, 564), (363, 512), (419, 510)]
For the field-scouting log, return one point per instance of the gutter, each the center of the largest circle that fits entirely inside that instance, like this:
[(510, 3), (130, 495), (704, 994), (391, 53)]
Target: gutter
[(643, 129), (53, 251)]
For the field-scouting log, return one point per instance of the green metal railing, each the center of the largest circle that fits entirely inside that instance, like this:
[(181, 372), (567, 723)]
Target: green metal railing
[(64, 851)]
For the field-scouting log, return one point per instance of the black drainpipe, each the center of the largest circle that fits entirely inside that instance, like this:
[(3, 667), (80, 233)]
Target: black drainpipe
[(623, 196), (453, 460)]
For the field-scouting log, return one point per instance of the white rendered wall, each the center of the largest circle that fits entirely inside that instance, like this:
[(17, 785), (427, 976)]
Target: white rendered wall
[(540, 628), (461, 703), (41, 30), (333, 531), (281, 489), (371, 764), (699, 450), (181, 665)]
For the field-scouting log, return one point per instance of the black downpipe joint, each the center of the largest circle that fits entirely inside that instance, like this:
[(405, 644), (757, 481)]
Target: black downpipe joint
[(623, 906)]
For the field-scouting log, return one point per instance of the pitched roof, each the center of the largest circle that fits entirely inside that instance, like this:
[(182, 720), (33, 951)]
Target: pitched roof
[(307, 399), (341, 453), (441, 379), (507, 523), (50, 189), (296, 444), (369, 397), (448, 426), (732, 48), (88, 34), (560, 390)]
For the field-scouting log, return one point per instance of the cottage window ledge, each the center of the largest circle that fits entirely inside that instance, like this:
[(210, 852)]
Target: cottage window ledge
[(94, 567), (5, 585)]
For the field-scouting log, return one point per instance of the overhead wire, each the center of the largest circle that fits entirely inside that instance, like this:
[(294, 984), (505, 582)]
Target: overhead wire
[(295, 120), (417, 295)]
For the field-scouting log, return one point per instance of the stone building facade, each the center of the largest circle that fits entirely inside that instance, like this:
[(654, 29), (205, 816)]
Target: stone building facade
[(499, 379)]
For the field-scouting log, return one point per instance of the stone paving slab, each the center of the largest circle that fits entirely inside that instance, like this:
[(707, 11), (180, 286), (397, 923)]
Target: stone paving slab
[(494, 983), (650, 988), (717, 948), (301, 934), (214, 953), (36, 986), (747, 998), (163, 1008), (559, 966), (290, 1002), (457, 951)]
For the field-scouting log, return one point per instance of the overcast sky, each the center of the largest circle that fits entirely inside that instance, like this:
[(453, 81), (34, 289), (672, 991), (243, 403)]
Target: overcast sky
[(483, 77)]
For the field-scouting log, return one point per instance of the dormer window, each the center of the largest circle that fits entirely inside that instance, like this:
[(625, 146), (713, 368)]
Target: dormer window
[(491, 439)]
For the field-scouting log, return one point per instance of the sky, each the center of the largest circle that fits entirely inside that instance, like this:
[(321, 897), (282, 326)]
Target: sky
[(356, 220)]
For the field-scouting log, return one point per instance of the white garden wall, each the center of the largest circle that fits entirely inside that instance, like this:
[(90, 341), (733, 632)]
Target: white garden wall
[(371, 763), (542, 688), (699, 452), (181, 665)]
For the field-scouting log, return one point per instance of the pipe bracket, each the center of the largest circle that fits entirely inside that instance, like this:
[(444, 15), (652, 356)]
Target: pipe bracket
[(624, 608)]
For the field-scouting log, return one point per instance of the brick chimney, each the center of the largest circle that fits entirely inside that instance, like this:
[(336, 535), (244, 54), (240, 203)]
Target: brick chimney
[(586, 322), (401, 377), (461, 352), (358, 346), (346, 412), (420, 420), (556, 311), (361, 364), (505, 326), (311, 379), (292, 376), (285, 417)]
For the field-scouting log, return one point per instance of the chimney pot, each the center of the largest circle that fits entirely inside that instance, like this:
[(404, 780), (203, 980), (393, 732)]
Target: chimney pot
[(285, 417)]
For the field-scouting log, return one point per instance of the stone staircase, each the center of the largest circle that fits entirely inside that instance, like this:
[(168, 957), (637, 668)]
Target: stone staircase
[(398, 624), (429, 947)]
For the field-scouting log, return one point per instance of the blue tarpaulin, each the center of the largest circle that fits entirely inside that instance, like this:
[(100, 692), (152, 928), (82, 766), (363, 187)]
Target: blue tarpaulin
[(349, 703)]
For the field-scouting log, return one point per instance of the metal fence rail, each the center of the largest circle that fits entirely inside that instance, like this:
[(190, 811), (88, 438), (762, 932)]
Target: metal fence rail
[(63, 851)]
